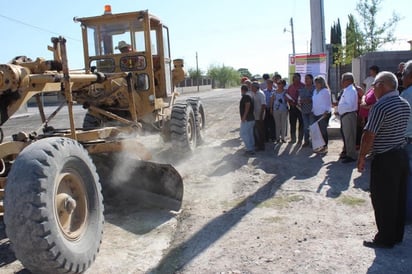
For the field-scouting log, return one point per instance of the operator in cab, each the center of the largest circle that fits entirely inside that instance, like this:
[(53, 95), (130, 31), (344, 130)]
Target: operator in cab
[(124, 47)]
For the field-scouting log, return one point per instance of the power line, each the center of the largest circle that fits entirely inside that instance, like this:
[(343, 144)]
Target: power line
[(36, 27)]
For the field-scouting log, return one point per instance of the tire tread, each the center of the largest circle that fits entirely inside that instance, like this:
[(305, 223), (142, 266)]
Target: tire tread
[(26, 194), (182, 113)]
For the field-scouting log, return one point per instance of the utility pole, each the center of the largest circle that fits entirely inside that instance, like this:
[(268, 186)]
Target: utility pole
[(317, 44), (293, 36), (197, 73)]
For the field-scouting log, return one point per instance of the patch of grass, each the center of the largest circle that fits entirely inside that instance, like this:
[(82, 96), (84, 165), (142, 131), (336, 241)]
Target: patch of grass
[(274, 219), (234, 203), (275, 202), (281, 201), (351, 201)]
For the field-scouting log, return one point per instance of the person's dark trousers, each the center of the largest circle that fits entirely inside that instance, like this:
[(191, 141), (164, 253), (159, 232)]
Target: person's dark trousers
[(388, 181), (359, 130), (348, 127), (323, 126), (259, 134), (343, 140), (269, 126), (294, 116)]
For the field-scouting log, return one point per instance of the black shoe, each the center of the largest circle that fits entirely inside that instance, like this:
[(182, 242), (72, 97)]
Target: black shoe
[(375, 244), (306, 144), (342, 155), (292, 141), (348, 160), (323, 150)]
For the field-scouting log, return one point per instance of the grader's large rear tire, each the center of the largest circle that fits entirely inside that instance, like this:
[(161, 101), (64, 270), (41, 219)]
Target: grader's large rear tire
[(200, 118), (54, 207), (183, 127)]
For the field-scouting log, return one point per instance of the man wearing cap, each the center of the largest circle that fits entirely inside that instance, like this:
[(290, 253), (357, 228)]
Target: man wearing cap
[(124, 47), (259, 108)]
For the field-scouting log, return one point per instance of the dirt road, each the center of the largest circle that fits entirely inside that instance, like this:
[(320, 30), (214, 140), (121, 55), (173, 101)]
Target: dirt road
[(286, 210)]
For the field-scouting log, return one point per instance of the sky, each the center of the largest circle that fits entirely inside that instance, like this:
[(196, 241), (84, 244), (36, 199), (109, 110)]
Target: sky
[(240, 34)]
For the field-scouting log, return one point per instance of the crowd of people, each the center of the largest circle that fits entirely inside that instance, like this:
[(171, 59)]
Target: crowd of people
[(376, 123), (277, 106)]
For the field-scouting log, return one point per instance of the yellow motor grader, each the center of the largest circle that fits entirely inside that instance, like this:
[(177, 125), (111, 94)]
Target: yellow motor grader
[(53, 178)]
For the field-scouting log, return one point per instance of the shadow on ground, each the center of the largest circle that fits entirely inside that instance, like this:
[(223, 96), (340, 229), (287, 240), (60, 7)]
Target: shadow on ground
[(282, 169), (395, 260)]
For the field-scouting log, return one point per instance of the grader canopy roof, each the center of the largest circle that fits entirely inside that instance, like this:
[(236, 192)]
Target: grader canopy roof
[(108, 30)]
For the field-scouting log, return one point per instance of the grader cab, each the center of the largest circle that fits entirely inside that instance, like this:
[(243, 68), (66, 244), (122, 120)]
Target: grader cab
[(53, 178)]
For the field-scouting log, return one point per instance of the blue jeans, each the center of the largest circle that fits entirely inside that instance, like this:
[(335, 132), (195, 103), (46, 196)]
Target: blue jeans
[(307, 121), (246, 134), (409, 186)]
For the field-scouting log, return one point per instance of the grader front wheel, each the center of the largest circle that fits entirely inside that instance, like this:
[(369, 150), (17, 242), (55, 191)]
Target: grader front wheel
[(183, 127), (54, 207)]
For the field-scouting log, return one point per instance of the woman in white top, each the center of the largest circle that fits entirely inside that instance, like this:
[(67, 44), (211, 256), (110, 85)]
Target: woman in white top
[(322, 105)]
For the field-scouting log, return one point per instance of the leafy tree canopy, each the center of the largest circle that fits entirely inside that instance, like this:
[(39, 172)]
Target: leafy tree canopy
[(224, 76)]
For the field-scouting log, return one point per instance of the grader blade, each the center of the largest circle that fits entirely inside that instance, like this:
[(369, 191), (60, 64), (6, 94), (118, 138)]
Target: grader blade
[(127, 179), (158, 184)]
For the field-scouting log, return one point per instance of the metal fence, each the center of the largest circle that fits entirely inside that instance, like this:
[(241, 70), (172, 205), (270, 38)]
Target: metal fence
[(190, 82)]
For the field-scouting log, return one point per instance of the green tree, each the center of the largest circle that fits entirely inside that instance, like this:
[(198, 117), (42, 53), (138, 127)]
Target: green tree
[(194, 73), (245, 72), (224, 76), (365, 35), (336, 41), (374, 35), (354, 40)]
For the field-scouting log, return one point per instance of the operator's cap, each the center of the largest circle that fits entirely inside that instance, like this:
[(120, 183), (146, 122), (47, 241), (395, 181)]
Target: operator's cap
[(122, 44)]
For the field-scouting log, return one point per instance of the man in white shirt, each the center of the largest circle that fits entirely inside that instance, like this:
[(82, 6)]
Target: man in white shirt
[(347, 109)]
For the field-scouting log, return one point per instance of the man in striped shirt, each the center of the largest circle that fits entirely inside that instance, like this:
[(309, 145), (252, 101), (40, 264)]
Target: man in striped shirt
[(384, 137)]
